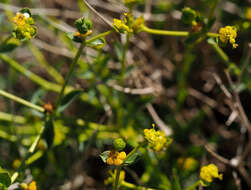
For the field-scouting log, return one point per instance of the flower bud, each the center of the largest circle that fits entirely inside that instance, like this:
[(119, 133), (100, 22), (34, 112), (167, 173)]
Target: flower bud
[(119, 144), (83, 25), (188, 15)]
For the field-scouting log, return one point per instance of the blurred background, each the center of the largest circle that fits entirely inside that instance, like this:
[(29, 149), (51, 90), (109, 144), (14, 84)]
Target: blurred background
[(169, 81)]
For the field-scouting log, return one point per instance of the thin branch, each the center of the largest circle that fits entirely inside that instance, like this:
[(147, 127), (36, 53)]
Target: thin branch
[(167, 130), (98, 14), (134, 91), (217, 156), (222, 86)]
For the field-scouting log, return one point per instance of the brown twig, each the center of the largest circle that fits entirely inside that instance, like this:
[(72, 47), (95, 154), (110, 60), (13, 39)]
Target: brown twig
[(98, 14), (217, 156)]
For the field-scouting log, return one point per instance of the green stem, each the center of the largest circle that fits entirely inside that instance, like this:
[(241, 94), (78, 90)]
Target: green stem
[(193, 186), (21, 101), (173, 33), (135, 150), (132, 186), (165, 32), (30, 152), (99, 36), (43, 62), (68, 76), (219, 51), (40, 81), (12, 118), (232, 66), (116, 184), (35, 78)]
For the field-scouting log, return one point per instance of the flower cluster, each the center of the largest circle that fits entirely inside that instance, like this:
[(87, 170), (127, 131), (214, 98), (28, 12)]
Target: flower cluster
[(228, 34), (24, 25), (156, 139), (31, 186), (116, 158), (207, 173), (128, 24), (120, 26)]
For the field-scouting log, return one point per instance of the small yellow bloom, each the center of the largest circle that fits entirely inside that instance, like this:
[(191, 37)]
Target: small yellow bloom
[(116, 158), (19, 19), (31, 186), (24, 26), (137, 24), (228, 34), (207, 173), (120, 26), (156, 139), (248, 13)]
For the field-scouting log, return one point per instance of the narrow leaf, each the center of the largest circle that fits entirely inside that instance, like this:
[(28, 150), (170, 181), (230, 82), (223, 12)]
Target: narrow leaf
[(5, 179), (68, 99)]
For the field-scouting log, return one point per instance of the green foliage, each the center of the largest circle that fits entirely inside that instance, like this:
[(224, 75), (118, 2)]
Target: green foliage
[(68, 99), (5, 179), (77, 114)]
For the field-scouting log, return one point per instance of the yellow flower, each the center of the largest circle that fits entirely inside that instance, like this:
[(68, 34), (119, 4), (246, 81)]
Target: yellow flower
[(156, 139), (19, 19), (228, 34), (137, 24), (116, 158), (207, 173), (248, 13), (24, 26), (120, 26), (31, 186)]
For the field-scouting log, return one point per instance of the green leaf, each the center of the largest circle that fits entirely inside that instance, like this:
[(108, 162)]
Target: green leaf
[(49, 132), (9, 45), (131, 159), (74, 38), (104, 155), (176, 181), (97, 44), (68, 99), (5, 179)]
